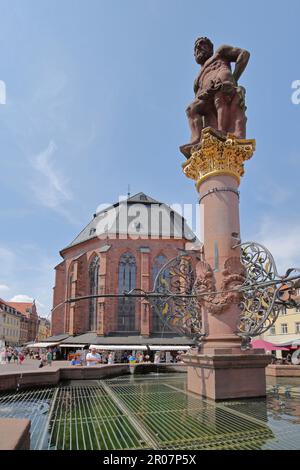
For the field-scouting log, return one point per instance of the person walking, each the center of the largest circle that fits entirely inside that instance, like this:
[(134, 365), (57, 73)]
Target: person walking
[(21, 358), (49, 358), (15, 356), (3, 356), (9, 355)]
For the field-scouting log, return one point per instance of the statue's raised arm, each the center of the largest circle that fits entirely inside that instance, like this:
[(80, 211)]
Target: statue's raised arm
[(219, 101), (235, 54)]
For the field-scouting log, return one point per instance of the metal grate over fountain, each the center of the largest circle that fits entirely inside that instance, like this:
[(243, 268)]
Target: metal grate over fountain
[(151, 412)]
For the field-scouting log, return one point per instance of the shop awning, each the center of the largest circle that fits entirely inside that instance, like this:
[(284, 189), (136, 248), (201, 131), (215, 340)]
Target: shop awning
[(119, 347), (266, 345), (138, 347), (170, 348), (62, 345), (41, 345), (290, 343)]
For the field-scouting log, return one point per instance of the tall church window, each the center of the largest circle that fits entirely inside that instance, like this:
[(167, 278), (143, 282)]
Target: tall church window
[(71, 292), (94, 277), (127, 282), (157, 323)]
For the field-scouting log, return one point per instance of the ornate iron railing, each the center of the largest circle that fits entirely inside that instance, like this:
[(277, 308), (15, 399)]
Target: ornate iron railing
[(175, 298), (265, 293)]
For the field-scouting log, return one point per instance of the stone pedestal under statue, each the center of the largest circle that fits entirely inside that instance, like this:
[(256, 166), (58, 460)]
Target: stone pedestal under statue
[(224, 376), (221, 370)]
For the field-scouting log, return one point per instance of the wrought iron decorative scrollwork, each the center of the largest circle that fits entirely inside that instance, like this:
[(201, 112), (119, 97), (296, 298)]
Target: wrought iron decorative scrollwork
[(265, 293), (176, 302)]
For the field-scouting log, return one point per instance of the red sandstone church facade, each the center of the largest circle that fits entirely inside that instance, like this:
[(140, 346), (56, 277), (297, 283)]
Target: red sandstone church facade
[(122, 248)]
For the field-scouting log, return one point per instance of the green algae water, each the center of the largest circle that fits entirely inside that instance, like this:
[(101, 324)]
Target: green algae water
[(153, 411)]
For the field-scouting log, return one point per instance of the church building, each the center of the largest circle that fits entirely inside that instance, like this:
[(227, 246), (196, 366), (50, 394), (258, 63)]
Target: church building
[(123, 248)]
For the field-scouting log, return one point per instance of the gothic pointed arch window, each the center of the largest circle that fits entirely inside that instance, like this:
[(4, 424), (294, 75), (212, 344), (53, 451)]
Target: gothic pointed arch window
[(127, 282), (159, 262), (71, 292), (94, 290)]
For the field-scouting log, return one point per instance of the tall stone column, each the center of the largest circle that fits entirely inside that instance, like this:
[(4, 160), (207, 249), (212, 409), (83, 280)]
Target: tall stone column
[(221, 370)]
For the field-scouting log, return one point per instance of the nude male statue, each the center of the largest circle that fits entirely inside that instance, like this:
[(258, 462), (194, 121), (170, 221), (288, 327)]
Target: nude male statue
[(219, 101)]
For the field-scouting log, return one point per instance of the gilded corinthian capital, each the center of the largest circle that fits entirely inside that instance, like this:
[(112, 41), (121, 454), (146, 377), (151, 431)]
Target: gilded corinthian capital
[(218, 155)]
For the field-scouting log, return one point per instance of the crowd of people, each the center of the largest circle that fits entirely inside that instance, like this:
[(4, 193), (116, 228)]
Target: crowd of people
[(12, 355), (88, 357), (94, 358)]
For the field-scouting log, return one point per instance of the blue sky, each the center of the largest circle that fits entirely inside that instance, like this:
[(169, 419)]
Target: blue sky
[(96, 98)]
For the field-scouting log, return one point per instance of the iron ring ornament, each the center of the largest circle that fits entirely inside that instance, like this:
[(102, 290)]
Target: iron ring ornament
[(176, 301), (264, 294)]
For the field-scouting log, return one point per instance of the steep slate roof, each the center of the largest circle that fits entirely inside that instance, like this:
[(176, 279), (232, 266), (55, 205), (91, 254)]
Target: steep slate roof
[(111, 215)]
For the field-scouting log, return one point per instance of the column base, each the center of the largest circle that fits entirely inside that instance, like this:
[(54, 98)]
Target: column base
[(225, 377)]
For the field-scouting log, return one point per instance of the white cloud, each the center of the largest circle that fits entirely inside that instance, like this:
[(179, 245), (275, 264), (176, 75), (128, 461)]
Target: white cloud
[(49, 185)]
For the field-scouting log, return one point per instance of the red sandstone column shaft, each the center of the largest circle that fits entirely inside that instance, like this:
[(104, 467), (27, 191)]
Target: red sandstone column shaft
[(216, 163), (219, 207)]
